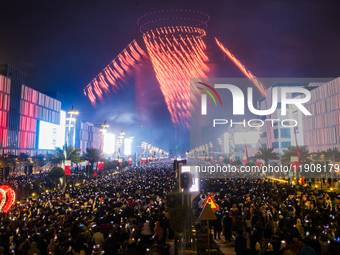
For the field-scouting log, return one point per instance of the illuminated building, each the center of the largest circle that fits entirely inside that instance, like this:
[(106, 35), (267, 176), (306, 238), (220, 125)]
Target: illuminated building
[(22, 109), (274, 135), (85, 135), (322, 128)]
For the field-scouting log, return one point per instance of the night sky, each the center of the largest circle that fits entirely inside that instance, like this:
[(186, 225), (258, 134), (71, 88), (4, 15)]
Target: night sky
[(63, 45)]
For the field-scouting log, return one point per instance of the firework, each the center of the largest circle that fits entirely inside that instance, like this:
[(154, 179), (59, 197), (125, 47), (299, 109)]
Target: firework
[(177, 54), (246, 72), (115, 73)]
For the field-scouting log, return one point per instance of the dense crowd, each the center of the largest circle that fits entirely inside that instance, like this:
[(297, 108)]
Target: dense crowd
[(125, 213), (116, 213), (274, 218)]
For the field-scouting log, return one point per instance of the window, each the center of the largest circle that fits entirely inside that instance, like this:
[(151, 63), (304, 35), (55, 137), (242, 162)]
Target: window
[(276, 133), (263, 135), (275, 145), (264, 145), (285, 145), (285, 133)]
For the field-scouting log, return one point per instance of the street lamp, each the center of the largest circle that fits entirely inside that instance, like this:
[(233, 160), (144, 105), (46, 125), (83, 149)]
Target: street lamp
[(103, 130), (70, 119)]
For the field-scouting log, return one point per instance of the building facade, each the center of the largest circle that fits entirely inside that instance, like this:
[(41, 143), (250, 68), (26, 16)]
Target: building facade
[(275, 135), (322, 128), (85, 135), (22, 109)]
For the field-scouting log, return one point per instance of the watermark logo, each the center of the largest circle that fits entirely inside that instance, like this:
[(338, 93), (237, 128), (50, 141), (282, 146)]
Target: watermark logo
[(238, 99), (204, 97)]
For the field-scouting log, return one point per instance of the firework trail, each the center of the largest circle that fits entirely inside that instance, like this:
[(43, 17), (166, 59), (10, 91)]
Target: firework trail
[(246, 72), (115, 73)]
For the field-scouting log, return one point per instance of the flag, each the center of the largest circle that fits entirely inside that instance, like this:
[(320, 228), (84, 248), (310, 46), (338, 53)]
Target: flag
[(245, 144), (67, 170)]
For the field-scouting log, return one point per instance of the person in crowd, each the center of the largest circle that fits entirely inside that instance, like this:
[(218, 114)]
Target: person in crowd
[(241, 244)]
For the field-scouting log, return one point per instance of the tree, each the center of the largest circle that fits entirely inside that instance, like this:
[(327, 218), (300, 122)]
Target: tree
[(8, 161), (250, 163), (236, 162), (291, 152), (23, 159), (266, 154), (92, 155), (332, 155), (71, 154), (226, 160), (39, 161), (56, 173)]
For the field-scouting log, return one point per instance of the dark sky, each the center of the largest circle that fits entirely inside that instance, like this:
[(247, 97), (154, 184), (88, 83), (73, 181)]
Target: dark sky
[(63, 45)]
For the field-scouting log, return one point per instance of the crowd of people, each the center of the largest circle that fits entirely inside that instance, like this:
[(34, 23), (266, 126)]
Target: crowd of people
[(265, 217), (125, 213), (116, 213)]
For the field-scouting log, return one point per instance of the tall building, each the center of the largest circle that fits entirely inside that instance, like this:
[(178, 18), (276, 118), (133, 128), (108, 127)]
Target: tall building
[(85, 135), (273, 133), (23, 110), (322, 128)]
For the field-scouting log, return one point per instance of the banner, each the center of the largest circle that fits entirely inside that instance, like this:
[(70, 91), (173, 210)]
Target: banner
[(67, 170), (67, 167), (100, 166)]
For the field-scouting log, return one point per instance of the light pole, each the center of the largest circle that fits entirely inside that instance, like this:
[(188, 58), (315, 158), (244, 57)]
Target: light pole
[(220, 142), (103, 130), (69, 125)]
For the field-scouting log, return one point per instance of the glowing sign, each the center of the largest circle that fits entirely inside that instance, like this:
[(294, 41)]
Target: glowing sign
[(51, 136), (211, 202), (109, 143)]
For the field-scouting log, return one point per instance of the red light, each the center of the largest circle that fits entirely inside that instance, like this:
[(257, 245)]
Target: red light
[(7, 196)]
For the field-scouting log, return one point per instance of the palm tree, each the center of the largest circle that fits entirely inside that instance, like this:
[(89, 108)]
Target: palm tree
[(266, 154), (291, 152), (92, 155), (72, 154)]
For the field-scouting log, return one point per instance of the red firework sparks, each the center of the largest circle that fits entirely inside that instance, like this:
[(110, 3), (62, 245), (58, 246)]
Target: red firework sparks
[(176, 58), (177, 55), (115, 72), (244, 70)]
